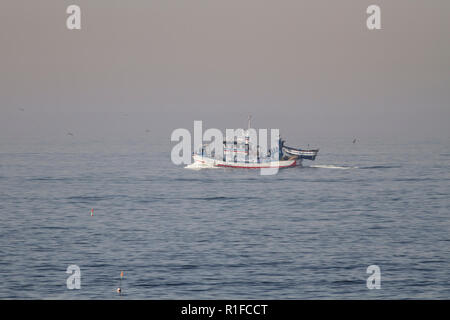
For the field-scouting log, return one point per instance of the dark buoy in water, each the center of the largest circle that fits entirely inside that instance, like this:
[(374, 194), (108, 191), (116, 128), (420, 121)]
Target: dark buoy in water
[(354, 140)]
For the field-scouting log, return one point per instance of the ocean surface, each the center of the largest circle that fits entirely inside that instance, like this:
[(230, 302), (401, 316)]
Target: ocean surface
[(306, 233)]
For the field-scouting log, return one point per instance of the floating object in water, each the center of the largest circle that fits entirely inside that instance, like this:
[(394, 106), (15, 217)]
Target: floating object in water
[(354, 140), (119, 290), (92, 212), (70, 134)]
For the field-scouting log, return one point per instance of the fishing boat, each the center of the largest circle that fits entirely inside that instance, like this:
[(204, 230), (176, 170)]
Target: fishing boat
[(310, 154), (241, 153)]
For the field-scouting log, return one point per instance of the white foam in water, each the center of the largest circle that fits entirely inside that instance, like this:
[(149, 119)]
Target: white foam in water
[(325, 166), (198, 166)]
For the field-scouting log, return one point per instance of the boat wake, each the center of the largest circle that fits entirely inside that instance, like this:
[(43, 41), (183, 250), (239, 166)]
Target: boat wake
[(325, 166)]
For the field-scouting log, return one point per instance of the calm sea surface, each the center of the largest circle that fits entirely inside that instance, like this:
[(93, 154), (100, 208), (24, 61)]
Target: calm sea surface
[(307, 232)]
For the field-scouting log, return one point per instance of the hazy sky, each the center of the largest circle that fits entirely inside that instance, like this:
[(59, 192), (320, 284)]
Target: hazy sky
[(307, 67)]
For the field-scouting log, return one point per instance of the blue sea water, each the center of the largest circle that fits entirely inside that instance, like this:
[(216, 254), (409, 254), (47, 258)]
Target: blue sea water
[(305, 233)]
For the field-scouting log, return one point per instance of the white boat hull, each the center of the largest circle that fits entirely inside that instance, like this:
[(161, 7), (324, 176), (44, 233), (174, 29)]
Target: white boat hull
[(210, 162)]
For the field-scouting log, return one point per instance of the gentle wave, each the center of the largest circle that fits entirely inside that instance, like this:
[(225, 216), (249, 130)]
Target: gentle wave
[(221, 198), (83, 199), (50, 179), (330, 166), (381, 167)]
